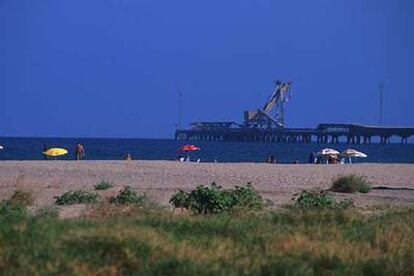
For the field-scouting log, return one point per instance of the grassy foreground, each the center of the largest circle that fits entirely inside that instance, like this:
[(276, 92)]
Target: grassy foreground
[(129, 240)]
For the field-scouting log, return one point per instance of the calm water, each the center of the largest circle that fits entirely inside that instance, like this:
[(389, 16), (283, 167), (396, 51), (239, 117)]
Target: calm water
[(154, 149)]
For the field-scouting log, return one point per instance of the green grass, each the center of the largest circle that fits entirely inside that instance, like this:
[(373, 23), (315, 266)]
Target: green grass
[(351, 184), (126, 239), (103, 185)]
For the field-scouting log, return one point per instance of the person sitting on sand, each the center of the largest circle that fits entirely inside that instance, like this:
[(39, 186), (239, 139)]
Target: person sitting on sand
[(333, 159), (128, 157), (319, 159), (79, 151), (270, 159)]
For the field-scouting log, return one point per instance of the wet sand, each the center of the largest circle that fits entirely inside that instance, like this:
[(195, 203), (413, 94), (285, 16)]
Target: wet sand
[(47, 179)]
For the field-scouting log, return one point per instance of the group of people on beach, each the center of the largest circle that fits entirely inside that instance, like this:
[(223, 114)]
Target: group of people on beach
[(330, 157), (320, 159), (313, 159), (270, 159), (79, 152)]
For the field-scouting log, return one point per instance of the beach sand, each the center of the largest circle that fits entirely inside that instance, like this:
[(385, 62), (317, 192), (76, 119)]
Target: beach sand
[(160, 179)]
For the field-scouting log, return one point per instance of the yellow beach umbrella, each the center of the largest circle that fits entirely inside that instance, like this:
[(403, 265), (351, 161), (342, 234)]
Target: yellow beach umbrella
[(55, 152)]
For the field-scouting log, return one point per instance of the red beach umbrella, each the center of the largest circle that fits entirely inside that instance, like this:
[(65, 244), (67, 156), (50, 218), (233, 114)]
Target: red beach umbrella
[(189, 148)]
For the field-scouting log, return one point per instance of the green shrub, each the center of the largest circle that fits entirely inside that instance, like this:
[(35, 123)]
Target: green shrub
[(350, 184), (180, 199), (364, 188), (320, 199), (247, 196), (103, 185), (129, 196), (209, 199), (215, 199), (77, 197), (314, 199)]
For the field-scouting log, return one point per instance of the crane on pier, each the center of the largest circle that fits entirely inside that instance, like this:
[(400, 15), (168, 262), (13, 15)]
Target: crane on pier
[(271, 116)]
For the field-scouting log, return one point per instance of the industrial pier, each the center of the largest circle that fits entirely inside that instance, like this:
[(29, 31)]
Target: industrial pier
[(266, 125)]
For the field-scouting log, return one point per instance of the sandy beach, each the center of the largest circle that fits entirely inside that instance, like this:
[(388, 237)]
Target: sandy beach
[(159, 179)]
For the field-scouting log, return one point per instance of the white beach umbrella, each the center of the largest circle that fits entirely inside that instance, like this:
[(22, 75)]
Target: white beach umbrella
[(353, 153), (327, 151)]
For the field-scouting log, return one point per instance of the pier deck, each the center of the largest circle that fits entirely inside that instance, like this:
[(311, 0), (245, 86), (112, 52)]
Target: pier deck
[(324, 133)]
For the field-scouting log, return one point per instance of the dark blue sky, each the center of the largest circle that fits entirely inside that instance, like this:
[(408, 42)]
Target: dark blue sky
[(113, 68)]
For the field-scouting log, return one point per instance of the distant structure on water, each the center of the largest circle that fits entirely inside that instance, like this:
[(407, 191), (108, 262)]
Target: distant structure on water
[(267, 125)]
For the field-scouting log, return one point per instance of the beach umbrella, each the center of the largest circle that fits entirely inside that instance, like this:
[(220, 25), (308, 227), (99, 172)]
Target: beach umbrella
[(55, 152), (189, 148), (327, 151), (353, 153)]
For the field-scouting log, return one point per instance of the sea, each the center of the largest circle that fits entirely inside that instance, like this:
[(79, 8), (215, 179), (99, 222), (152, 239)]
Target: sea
[(167, 149)]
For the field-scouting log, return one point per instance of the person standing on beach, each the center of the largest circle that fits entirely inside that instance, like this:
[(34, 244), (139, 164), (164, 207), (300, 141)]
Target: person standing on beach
[(312, 158), (79, 151), (45, 149)]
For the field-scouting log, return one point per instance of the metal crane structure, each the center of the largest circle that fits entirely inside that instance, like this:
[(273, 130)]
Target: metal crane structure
[(267, 125), (272, 114)]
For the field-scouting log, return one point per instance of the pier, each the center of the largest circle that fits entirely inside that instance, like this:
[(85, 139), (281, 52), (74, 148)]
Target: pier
[(323, 133), (266, 125)]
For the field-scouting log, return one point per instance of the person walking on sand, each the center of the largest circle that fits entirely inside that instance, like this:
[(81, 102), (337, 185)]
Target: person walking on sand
[(79, 151)]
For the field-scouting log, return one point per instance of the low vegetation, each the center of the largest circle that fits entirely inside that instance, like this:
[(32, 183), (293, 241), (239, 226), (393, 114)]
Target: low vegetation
[(319, 199), (146, 242), (103, 185), (129, 196), (77, 197), (314, 199), (16, 205), (319, 236), (351, 184), (215, 199), (23, 198)]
